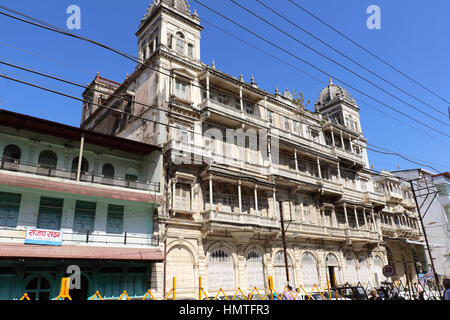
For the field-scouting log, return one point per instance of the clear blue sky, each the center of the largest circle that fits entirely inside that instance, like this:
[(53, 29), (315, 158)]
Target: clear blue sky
[(413, 37)]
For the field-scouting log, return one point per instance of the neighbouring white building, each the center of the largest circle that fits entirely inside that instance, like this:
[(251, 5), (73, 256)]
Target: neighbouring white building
[(73, 197), (235, 158), (432, 192)]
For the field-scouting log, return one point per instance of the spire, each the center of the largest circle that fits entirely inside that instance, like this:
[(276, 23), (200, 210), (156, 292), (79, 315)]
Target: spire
[(330, 81)]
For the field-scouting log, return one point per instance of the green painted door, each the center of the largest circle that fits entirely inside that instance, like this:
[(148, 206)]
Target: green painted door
[(7, 286)]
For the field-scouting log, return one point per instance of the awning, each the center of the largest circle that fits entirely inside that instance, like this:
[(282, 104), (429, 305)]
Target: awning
[(12, 250)]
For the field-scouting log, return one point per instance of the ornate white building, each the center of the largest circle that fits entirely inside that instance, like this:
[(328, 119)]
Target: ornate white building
[(236, 157)]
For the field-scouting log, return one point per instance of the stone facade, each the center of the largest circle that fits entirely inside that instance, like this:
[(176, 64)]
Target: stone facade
[(237, 159)]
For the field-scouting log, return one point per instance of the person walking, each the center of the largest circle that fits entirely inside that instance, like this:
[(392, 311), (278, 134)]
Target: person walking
[(447, 289), (288, 295)]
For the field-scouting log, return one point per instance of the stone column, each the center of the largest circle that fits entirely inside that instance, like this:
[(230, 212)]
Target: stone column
[(210, 193), (174, 183), (256, 200), (318, 168), (274, 203), (296, 162), (239, 196), (339, 173), (332, 138), (356, 217), (342, 141), (365, 220), (351, 145), (207, 86), (346, 217), (333, 218), (241, 99)]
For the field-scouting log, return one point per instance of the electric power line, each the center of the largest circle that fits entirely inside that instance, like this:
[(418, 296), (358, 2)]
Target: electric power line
[(58, 30), (337, 63), (155, 107), (319, 69), (316, 79), (368, 51), (347, 57), (132, 115), (126, 55)]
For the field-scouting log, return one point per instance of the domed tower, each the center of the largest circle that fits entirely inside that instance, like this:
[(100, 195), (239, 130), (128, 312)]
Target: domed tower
[(336, 104), (169, 25)]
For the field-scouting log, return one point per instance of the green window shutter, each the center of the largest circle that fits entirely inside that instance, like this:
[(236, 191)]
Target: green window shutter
[(50, 213), (114, 222), (9, 209), (84, 216)]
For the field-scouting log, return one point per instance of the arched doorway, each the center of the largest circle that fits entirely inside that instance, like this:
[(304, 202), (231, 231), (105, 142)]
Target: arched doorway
[(255, 270), (350, 264), (363, 272), (181, 266), (220, 271), (309, 271), (332, 265), (378, 270), (279, 265), (38, 288)]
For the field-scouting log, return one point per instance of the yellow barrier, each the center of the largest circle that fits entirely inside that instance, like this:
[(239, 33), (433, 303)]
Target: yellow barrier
[(172, 291), (269, 294), (239, 290), (201, 291), (149, 292), (124, 294), (25, 297), (220, 290), (251, 294), (64, 291), (97, 294)]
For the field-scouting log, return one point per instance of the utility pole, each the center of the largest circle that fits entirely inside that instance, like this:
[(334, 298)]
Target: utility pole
[(425, 235), (283, 236)]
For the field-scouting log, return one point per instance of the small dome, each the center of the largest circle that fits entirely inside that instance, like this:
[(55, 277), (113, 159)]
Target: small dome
[(181, 5), (333, 93)]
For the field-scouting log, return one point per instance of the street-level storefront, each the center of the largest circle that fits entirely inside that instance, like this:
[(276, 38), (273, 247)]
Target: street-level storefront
[(41, 278)]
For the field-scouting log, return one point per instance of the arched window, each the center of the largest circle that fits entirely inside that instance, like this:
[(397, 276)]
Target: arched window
[(38, 288), (108, 170), (179, 42), (280, 272), (84, 165), (220, 271), (309, 270), (12, 154), (255, 270), (47, 159)]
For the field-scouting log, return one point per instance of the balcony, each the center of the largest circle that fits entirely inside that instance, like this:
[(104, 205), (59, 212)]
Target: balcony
[(239, 220), (58, 174), (232, 112), (393, 196), (217, 154), (341, 153)]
